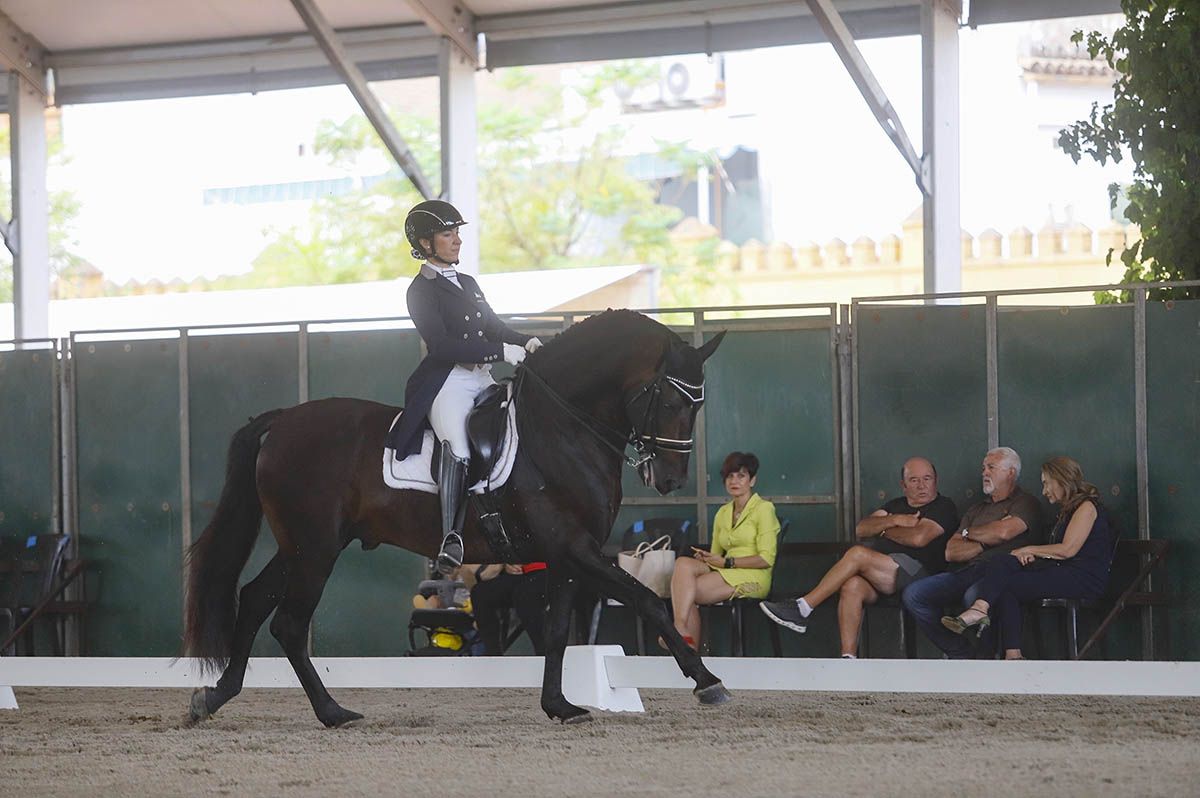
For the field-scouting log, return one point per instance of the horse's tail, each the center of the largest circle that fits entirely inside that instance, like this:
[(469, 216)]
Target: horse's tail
[(217, 557)]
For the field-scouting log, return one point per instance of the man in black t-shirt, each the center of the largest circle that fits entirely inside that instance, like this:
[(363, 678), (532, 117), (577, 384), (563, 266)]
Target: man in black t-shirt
[(1006, 519), (899, 543)]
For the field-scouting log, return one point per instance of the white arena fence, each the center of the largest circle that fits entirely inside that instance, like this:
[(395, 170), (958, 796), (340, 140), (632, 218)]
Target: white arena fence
[(602, 677)]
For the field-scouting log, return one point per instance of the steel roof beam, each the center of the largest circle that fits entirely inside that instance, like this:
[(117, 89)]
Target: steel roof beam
[(453, 20), (323, 32), (843, 43), (252, 64), (23, 54)]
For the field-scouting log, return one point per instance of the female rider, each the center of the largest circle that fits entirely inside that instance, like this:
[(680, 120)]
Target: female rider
[(463, 338)]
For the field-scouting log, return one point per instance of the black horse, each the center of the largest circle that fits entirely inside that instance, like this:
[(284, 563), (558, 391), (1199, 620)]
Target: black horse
[(614, 378)]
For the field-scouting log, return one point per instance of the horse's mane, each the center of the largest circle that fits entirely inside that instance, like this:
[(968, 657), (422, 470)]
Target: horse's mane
[(589, 340)]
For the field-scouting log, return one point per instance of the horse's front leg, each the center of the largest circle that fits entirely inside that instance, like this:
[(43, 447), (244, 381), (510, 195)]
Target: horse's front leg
[(561, 588), (608, 578)]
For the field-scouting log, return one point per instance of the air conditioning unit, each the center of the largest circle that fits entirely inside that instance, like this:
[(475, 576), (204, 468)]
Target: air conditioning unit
[(686, 81)]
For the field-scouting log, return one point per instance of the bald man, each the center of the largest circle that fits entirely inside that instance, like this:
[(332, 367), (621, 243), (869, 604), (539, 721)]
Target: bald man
[(901, 542)]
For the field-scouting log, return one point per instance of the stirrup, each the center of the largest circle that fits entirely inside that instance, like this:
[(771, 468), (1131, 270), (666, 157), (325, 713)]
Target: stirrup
[(450, 556)]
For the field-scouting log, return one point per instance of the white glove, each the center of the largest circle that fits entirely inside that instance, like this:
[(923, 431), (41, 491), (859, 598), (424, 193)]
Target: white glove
[(533, 345), (513, 354)]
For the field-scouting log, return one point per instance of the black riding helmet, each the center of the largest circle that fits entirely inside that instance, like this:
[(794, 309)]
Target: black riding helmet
[(427, 218)]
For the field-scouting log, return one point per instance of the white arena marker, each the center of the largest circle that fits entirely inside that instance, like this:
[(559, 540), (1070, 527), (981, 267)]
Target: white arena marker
[(586, 682), (1028, 677), (602, 677)]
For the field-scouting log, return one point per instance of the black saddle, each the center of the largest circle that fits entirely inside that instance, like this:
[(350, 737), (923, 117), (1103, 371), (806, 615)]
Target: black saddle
[(487, 427)]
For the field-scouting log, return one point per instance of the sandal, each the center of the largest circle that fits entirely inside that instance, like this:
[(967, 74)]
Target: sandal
[(956, 624)]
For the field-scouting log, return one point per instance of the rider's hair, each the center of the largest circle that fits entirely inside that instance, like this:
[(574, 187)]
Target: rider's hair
[(736, 461)]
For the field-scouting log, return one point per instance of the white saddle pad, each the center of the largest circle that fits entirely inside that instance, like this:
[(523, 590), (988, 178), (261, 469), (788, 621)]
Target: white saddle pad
[(412, 473)]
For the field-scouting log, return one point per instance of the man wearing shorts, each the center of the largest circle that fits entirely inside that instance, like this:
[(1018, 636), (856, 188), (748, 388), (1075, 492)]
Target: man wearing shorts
[(901, 542)]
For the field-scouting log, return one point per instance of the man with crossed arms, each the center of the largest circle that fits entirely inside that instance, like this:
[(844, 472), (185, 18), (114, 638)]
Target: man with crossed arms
[(899, 543)]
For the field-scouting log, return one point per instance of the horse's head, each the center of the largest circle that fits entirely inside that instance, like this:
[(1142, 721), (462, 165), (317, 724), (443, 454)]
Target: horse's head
[(662, 411)]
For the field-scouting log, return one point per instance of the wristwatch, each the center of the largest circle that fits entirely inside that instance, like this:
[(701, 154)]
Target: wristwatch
[(729, 562)]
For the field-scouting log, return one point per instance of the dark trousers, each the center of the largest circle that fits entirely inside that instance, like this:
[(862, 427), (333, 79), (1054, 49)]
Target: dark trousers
[(1006, 584), (927, 599), (525, 593)]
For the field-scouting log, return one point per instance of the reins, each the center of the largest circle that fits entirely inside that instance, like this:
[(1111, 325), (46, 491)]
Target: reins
[(592, 424), (636, 438)]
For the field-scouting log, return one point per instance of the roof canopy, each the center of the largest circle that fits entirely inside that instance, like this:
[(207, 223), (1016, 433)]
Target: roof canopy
[(107, 50)]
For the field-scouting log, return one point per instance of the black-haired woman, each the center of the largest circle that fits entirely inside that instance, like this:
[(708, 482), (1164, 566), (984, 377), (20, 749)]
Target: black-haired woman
[(744, 540)]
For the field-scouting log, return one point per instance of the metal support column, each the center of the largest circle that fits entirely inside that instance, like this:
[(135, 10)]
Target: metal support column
[(992, 358), (1142, 454), (27, 235), (847, 487), (701, 452), (460, 174), (68, 491), (940, 140)]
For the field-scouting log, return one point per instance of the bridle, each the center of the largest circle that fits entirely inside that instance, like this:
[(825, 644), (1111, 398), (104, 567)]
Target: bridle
[(647, 441), (643, 437)]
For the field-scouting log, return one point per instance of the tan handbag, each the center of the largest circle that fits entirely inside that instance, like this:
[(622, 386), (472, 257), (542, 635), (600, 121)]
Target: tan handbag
[(651, 564)]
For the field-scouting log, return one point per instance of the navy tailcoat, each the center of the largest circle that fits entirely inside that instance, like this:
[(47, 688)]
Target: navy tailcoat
[(457, 326)]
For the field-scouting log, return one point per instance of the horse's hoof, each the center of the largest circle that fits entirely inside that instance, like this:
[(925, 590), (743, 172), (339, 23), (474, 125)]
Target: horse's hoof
[(566, 712), (338, 717), (713, 695), (583, 717), (198, 707)]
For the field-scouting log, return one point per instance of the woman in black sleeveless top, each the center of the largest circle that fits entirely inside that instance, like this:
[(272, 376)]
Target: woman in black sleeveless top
[(1074, 564)]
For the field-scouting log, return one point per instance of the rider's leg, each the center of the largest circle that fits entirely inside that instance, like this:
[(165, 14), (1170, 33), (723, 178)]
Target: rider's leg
[(448, 417)]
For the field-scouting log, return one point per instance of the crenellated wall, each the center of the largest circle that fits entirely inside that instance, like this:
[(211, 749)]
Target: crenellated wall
[(1063, 255)]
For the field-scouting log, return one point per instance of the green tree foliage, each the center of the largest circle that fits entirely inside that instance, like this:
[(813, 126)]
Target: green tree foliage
[(1155, 120), (64, 209), (554, 192)]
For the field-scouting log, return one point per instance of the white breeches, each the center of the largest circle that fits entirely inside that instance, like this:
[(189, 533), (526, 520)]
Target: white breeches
[(448, 416)]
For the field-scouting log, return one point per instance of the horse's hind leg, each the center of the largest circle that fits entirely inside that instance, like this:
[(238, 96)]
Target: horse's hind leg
[(604, 575), (256, 602), (306, 578), (561, 589)]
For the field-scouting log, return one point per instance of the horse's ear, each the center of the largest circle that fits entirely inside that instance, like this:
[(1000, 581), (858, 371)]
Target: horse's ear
[(706, 351)]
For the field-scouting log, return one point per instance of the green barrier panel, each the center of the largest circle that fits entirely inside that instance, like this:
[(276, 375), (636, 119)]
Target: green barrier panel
[(922, 390), (772, 393), (127, 427), (230, 379), (1066, 386), (28, 460), (1173, 408), (367, 364), (368, 599)]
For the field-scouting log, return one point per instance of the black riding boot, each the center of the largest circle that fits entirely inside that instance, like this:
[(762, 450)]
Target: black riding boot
[(452, 476)]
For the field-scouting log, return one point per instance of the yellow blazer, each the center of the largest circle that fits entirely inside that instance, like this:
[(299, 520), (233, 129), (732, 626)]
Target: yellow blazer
[(756, 532)]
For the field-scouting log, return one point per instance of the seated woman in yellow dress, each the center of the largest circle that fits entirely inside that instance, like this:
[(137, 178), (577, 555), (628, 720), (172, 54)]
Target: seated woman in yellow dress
[(744, 539)]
